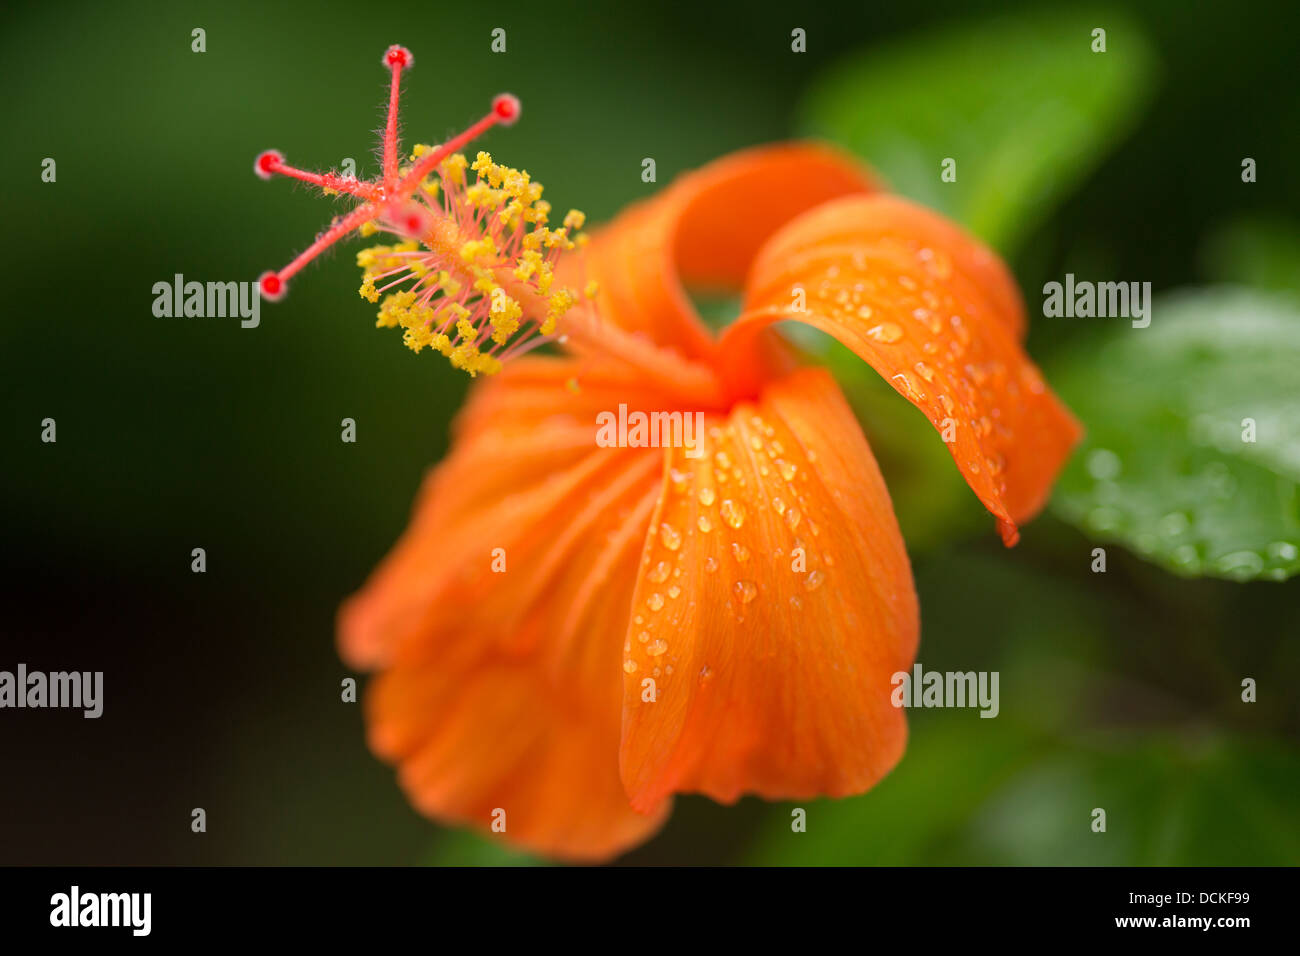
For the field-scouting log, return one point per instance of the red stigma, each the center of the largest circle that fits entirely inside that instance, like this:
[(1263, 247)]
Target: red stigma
[(271, 286), (386, 197), (267, 162), (399, 57), (506, 107)]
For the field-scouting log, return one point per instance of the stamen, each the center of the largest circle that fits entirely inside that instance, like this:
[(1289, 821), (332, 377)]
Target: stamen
[(477, 261)]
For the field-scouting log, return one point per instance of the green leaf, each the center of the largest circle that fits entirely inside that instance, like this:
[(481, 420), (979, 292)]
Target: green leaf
[(972, 793), (954, 763), (1021, 103), (1167, 466), (1170, 799)]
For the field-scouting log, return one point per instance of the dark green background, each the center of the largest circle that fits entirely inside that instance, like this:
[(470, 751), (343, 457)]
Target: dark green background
[(223, 689)]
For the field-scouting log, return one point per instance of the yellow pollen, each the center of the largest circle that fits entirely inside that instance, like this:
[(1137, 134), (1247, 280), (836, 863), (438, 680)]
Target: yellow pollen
[(479, 282)]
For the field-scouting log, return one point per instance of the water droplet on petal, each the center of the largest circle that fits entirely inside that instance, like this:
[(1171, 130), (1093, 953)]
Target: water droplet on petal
[(745, 591), (660, 573), (813, 580), (657, 649), (655, 601), (704, 524), (706, 496), (886, 332), (670, 536), (733, 512), (740, 552)]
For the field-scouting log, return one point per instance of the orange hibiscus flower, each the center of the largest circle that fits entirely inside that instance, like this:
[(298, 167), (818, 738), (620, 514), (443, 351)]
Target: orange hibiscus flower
[(569, 633)]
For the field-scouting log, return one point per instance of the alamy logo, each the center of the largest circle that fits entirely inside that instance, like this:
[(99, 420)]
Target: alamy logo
[(214, 300), (75, 908), (1103, 300), (651, 430), (922, 688), (81, 690)]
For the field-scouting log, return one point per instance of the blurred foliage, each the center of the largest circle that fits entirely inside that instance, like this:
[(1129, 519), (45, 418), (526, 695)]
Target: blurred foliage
[(1022, 104), (1262, 252), (471, 848), (1192, 455), (1109, 697)]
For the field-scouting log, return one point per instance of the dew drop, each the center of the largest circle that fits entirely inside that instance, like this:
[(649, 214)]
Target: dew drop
[(813, 580), (1104, 464), (670, 536), (745, 591), (710, 563), (655, 601), (674, 591), (660, 573), (629, 666), (1283, 550), (706, 496), (643, 636), (1173, 524), (886, 332), (792, 518), (704, 524), (740, 552), (733, 512), (657, 649), (1240, 564), (786, 469)]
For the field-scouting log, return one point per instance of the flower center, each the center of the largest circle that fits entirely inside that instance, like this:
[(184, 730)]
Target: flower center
[(473, 274)]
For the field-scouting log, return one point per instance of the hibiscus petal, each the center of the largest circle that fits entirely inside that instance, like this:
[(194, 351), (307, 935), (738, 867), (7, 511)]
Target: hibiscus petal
[(769, 667), (939, 317), (499, 690), (704, 229)]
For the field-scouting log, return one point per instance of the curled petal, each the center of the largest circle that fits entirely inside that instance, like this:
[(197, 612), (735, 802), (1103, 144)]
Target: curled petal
[(938, 316), (704, 230)]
